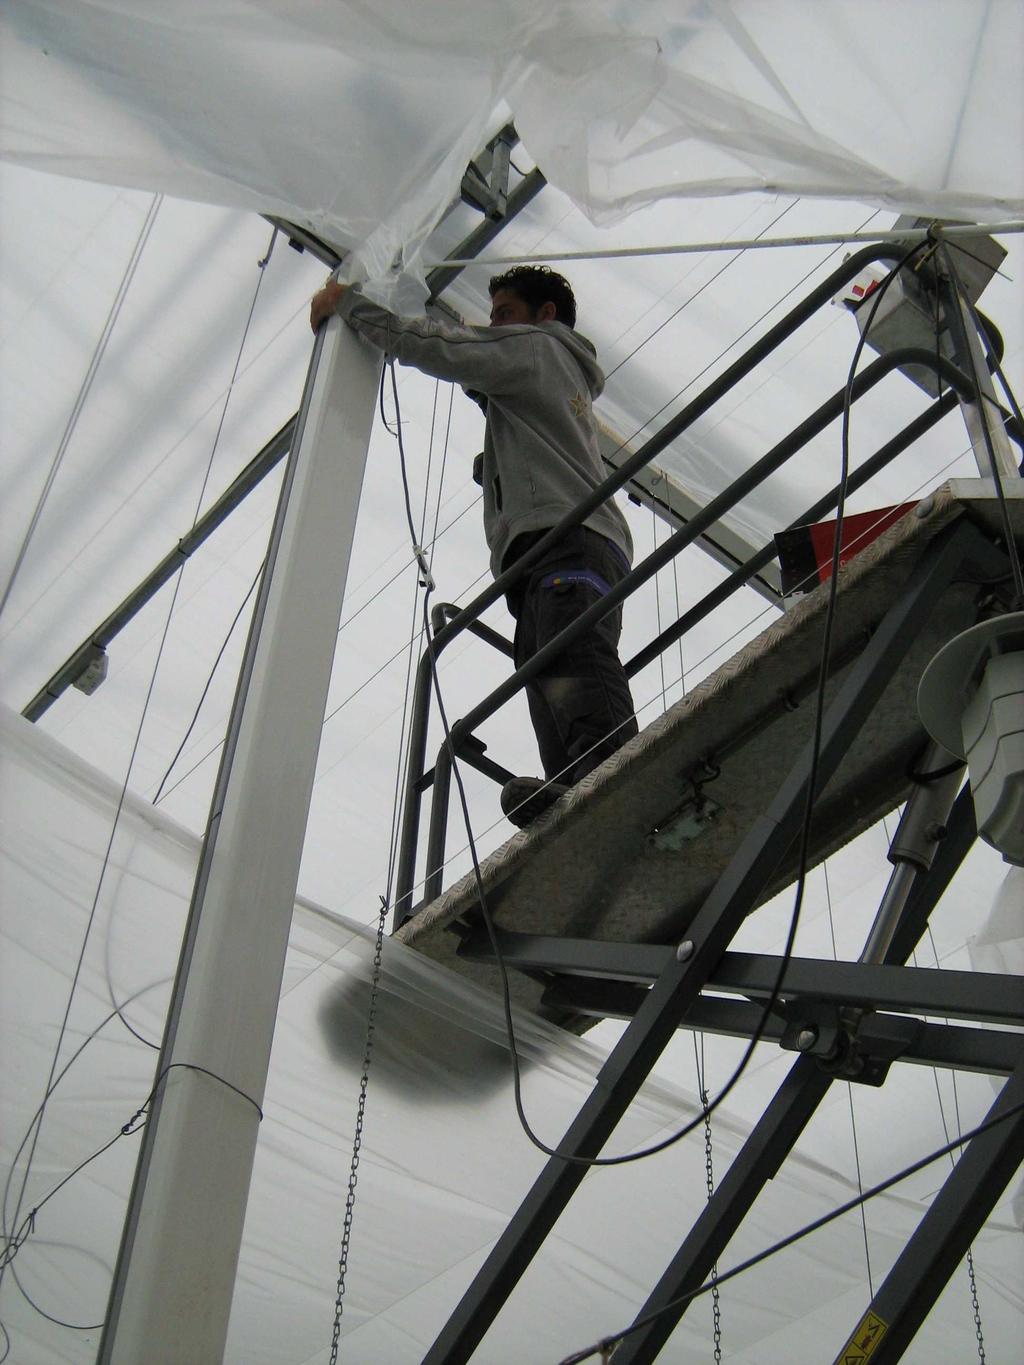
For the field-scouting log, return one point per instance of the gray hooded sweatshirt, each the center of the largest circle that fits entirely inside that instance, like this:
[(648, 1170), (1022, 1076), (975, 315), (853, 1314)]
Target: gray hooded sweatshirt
[(540, 448)]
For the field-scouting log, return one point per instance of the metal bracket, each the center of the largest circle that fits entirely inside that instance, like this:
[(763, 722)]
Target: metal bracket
[(692, 817), (94, 670), (485, 183), (863, 1051)]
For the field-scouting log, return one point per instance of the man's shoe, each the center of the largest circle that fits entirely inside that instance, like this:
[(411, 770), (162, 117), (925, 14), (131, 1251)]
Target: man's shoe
[(525, 798)]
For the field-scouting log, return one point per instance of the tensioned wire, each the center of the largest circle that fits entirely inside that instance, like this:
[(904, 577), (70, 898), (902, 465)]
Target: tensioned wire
[(700, 290), (605, 1346), (66, 567), (85, 389), (969, 1258), (849, 1091), (38, 1122)]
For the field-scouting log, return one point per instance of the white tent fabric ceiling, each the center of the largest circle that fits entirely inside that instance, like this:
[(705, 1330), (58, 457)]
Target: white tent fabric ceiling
[(653, 123)]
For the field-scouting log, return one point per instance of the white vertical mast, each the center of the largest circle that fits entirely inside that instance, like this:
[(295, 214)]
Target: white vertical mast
[(173, 1284)]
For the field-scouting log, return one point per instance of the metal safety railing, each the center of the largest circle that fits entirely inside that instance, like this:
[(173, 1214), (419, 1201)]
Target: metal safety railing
[(449, 621)]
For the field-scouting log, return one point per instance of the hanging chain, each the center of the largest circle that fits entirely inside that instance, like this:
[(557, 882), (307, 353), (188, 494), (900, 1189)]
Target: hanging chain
[(975, 1305), (357, 1141), (709, 1167)]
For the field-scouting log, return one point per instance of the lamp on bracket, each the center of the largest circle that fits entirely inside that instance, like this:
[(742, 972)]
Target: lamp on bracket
[(971, 699)]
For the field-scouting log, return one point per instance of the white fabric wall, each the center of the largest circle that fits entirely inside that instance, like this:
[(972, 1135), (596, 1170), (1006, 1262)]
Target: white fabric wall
[(444, 1163)]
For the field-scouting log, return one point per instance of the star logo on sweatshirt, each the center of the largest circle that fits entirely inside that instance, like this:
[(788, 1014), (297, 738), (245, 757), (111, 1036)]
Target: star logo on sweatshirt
[(578, 404)]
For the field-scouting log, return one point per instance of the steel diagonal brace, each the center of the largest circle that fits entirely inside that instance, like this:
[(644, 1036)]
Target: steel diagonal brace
[(945, 1233), (732, 899)]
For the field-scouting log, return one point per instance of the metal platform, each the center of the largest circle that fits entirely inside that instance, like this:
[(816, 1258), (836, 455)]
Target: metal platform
[(628, 855)]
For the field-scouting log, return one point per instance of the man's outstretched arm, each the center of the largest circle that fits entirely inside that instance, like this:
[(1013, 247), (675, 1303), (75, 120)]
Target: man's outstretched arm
[(491, 360)]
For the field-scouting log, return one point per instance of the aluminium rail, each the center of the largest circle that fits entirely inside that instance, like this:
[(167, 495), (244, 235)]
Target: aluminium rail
[(462, 741)]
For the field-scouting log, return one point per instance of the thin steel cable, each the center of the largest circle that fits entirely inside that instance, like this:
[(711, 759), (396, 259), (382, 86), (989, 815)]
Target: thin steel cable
[(740, 251), (121, 798), (735, 342), (408, 563), (342, 704), (657, 608), (849, 1092), (209, 681), (86, 387), (972, 1282), (606, 1344), (114, 1014), (134, 1125)]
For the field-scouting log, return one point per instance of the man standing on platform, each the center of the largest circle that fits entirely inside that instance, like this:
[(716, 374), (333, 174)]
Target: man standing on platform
[(535, 378)]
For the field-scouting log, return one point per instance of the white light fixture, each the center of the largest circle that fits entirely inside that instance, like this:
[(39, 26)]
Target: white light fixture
[(971, 699)]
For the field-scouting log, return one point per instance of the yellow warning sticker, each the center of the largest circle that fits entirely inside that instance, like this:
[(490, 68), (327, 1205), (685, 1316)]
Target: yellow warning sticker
[(864, 1342)]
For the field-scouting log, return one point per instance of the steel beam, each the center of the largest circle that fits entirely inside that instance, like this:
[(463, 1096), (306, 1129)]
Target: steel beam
[(757, 1161), (734, 896), (241, 486), (991, 997), (989, 1051)]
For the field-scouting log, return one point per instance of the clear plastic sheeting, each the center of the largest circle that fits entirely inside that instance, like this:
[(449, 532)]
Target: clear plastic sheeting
[(443, 1164), (358, 121)]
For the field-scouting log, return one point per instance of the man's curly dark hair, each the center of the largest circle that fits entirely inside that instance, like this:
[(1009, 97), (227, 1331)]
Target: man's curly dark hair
[(535, 285)]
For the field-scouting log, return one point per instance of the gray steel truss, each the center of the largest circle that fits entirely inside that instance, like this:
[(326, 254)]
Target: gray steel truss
[(848, 1020)]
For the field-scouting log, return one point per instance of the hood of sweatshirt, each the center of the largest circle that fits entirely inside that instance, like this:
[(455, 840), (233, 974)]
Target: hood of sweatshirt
[(583, 352)]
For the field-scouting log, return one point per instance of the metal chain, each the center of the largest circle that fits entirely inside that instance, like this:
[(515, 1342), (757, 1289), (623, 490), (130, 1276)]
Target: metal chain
[(709, 1167), (357, 1141), (975, 1305)]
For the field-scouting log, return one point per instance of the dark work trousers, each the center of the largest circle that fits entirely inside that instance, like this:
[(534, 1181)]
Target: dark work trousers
[(580, 705)]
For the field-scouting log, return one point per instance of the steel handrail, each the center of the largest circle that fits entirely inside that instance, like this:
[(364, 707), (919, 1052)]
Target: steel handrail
[(417, 779)]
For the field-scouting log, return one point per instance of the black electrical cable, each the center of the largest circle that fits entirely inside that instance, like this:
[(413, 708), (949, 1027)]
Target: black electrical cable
[(20, 1235), (707, 1109), (606, 1344), (154, 985)]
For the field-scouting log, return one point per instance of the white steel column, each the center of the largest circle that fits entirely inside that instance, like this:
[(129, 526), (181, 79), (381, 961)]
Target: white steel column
[(173, 1285)]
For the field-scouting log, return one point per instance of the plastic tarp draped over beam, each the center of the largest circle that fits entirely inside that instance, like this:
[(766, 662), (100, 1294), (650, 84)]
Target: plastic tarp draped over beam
[(357, 120)]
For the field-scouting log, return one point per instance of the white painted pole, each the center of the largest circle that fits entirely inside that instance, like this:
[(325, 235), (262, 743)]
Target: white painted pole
[(740, 244), (173, 1284)]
